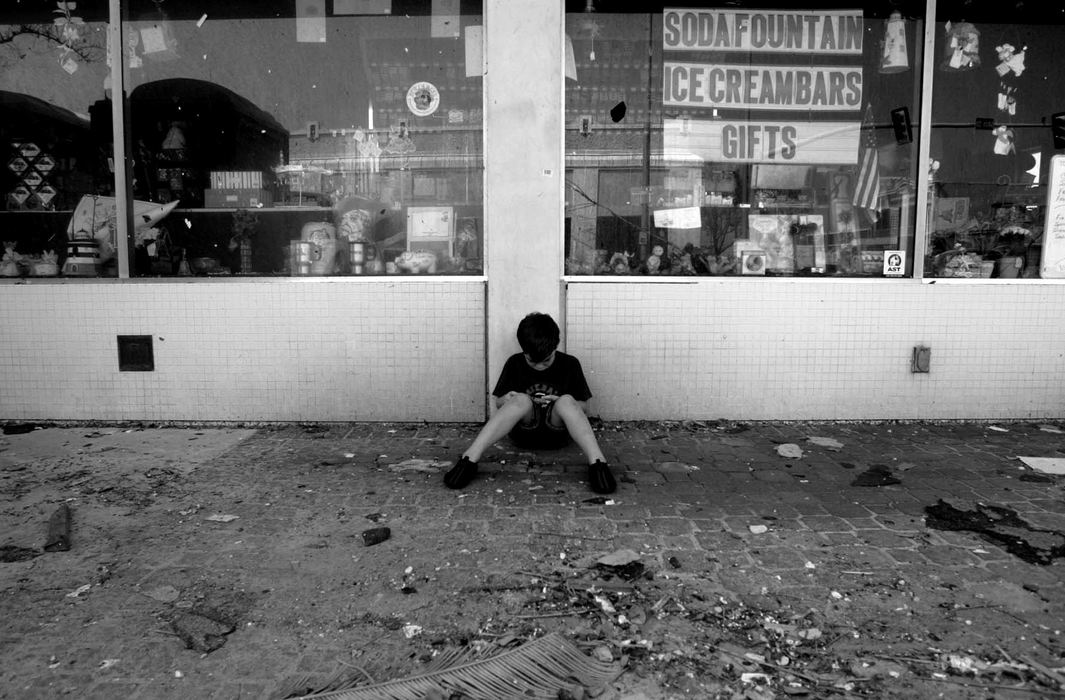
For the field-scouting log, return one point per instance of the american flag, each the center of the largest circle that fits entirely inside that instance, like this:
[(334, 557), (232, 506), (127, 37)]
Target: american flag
[(867, 188)]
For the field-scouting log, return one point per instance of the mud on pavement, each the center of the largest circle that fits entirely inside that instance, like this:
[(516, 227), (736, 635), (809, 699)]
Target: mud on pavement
[(735, 561)]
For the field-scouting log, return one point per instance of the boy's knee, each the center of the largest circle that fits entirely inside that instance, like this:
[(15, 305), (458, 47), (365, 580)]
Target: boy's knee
[(566, 401), (523, 401)]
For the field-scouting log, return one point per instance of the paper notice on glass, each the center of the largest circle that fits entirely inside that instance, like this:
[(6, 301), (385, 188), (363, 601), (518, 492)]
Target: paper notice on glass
[(685, 217), (474, 51), (571, 62), (310, 21), (362, 7), (445, 19), (153, 40)]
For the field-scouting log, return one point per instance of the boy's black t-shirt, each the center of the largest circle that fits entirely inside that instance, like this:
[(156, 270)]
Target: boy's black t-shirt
[(564, 376)]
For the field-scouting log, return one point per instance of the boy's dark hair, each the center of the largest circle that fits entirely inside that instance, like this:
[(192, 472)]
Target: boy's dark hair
[(538, 336)]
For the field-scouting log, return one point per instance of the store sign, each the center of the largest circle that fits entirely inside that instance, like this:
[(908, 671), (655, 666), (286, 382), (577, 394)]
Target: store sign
[(727, 141), (700, 82), (809, 89), (811, 31)]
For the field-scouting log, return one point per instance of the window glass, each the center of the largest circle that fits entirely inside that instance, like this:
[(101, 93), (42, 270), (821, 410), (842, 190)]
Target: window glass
[(725, 140), (306, 138), (996, 186), (53, 70)]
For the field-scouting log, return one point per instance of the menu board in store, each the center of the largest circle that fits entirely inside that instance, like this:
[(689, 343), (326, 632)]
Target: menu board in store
[(1053, 265)]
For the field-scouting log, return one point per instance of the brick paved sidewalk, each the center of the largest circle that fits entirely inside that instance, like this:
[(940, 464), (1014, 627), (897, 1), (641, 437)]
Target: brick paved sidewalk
[(743, 550)]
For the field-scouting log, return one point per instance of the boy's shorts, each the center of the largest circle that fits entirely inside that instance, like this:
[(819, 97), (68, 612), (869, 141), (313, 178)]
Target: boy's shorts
[(539, 434)]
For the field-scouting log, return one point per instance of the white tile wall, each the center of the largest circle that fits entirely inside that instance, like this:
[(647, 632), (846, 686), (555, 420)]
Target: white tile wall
[(808, 349), (260, 349)]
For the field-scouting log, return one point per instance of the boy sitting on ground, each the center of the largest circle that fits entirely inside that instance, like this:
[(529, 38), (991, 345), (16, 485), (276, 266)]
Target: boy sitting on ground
[(541, 397)]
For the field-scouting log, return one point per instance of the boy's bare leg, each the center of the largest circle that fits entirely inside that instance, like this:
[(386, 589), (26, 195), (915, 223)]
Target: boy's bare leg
[(573, 417), (517, 407)]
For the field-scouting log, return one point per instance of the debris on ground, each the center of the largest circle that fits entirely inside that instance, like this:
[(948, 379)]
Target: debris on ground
[(222, 518), (58, 538), (11, 553), (375, 535), (1047, 465), (429, 466), (827, 442), (199, 632), (1001, 526), (790, 450), (876, 475)]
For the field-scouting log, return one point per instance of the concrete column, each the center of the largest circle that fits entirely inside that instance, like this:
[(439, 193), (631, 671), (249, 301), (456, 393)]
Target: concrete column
[(524, 168)]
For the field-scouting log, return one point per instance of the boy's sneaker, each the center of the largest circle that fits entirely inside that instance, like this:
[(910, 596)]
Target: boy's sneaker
[(600, 478), (461, 474)]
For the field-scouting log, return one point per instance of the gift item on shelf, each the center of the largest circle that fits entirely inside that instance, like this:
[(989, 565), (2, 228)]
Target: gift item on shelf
[(9, 264), (416, 261)]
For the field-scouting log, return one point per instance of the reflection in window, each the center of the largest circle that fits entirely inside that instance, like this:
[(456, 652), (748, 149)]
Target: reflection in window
[(995, 175), (270, 138), (52, 67), (748, 142)]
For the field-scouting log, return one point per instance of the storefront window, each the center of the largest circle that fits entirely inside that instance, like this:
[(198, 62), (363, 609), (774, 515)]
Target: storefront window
[(263, 138), (53, 69), (996, 187), (722, 140), (307, 138)]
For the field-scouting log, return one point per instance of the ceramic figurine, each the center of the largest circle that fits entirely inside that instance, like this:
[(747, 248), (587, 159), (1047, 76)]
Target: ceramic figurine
[(9, 266), (619, 263), (417, 261)]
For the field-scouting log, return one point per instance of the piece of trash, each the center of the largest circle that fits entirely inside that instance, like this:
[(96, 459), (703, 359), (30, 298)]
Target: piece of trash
[(759, 678), (605, 604), (674, 562), (108, 663), (179, 674), (349, 455), (411, 631), (164, 594), (375, 535), (79, 591), (10, 553), (220, 518), (200, 633), (830, 443), (603, 653), (375, 517), (619, 558), (58, 538), (837, 595), (997, 429), (758, 529), (419, 465), (1051, 429), (876, 475), (811, 565), (1047, 465), (599, 501), (1001, 526), (790, 450), (676, 467), (810, 634)]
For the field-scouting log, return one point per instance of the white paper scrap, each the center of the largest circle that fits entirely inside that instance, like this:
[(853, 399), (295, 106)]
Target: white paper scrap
[(1047, 465)]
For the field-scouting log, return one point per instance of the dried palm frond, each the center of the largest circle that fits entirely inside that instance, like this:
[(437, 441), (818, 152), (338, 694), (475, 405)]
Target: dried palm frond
[(537, 669)]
